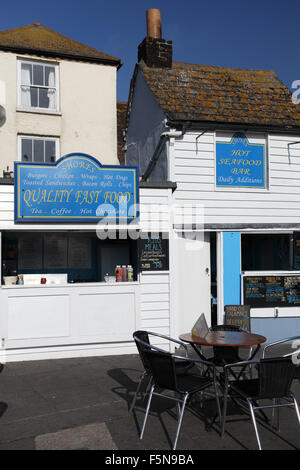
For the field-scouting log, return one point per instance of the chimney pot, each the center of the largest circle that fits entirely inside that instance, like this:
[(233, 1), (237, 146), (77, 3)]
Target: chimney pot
[(153, 50), (153, 23)]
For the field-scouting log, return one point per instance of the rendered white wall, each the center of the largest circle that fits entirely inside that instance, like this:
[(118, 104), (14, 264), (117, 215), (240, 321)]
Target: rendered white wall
[(89, 116), (87, 119)]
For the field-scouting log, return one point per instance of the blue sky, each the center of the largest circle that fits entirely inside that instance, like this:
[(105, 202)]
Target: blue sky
[(258, 34)]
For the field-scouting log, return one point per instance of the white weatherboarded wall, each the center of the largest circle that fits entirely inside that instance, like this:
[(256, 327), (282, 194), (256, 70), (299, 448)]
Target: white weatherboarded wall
[(192, 166), (157, 314), (155, 302)]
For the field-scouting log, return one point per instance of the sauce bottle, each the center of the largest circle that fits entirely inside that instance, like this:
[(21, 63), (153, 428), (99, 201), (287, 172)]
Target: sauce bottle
[(129, 273), (124, 274), (118, 273)]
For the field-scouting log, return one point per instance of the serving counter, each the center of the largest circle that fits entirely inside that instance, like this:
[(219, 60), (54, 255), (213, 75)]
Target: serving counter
[(67, 316), (94, 318)]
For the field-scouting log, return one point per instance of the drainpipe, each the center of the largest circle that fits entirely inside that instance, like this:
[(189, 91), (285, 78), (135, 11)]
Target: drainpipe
[(162, 140)]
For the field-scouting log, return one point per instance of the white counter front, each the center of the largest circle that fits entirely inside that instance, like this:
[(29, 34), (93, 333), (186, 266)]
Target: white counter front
[(39, 320)]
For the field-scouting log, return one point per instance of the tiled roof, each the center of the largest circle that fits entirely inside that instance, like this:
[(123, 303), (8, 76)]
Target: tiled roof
[(36, 38), (189, 92)]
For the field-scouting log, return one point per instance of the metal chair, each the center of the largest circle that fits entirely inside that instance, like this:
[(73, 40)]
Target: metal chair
[(275, 376), (290, 347), (165, 376), (285, 348), (142, 341)]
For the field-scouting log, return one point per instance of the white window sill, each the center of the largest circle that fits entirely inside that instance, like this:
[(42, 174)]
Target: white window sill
[(39, 111)]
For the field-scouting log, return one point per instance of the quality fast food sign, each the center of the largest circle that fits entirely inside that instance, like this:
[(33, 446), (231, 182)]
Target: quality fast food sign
[(75, 188)]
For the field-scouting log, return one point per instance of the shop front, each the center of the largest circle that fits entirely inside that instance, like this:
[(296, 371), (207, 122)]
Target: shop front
[(230, 140), (80, 269), (261, 269)]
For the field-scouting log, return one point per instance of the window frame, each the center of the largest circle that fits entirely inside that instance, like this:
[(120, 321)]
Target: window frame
[(38, 137), (37, 109)]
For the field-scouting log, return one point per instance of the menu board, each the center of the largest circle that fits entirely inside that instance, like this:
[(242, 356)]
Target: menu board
[(153, 253), (79, 253), (271, 291), (238, 315), (296, 251), (55, 251), (30, 252)]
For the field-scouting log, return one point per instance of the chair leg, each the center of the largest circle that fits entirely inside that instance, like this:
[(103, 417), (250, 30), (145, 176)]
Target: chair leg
[(223, 420), (180, 420), (136, 392), (296, 407), (218, 401), (148, 386), (178, 405), (254, 423), (147, 411), (277, 428), (219, 412)]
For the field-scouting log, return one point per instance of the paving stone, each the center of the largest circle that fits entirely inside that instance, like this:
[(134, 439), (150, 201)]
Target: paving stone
[(90, 437)]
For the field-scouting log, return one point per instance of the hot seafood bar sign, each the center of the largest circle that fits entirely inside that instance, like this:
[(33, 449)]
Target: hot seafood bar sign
[(75, 188), (240, 163)]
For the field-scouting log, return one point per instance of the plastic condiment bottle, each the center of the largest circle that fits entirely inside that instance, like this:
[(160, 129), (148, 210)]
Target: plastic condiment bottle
[(118, 273), (129, 273), (124, 273)]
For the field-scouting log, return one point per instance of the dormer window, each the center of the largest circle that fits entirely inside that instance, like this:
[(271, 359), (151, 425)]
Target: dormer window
[(38, 86)]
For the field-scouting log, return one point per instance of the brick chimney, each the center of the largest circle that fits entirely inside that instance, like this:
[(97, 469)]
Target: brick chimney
[(153, 50)]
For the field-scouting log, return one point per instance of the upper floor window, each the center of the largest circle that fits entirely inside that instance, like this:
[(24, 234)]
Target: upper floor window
[(38, 85), (38, 149)]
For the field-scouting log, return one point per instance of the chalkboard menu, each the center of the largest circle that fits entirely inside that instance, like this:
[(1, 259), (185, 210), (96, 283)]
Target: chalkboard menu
[(238, 315), (296, 251), (271, 291), (153, 253)]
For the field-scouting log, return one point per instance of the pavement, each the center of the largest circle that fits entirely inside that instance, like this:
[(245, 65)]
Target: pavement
[(83, 404)]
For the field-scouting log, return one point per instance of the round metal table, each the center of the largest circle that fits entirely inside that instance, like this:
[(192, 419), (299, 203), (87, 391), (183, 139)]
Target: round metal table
[(224, 343)]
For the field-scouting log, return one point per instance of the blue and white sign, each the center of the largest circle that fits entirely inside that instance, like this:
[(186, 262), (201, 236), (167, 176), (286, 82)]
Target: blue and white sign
[(75, 188), (240, 163)]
